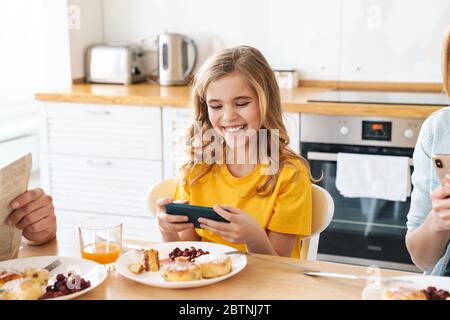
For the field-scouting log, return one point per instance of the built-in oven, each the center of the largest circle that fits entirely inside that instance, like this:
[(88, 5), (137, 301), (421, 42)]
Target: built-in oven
[(364, 231)]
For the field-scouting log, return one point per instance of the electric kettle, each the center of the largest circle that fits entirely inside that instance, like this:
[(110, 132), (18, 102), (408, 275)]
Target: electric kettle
[(173, 59)]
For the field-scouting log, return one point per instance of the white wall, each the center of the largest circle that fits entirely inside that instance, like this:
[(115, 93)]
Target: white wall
[(34, 57), (17, 81), (367, 40), (35, 48), (86, 29), (52, 45), (393, 40)]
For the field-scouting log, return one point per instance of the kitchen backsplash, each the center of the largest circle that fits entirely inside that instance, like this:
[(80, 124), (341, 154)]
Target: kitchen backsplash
[(352, 40)]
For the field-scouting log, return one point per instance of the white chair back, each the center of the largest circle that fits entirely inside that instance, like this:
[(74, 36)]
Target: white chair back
[(322, 213), (163, 189)]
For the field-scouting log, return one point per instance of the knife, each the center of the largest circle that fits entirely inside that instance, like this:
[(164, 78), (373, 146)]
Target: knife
[(336, 275), (354, 276)]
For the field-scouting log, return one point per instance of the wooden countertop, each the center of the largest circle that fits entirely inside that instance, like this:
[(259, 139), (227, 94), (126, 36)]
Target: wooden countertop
[(293, 100), (264, 278)]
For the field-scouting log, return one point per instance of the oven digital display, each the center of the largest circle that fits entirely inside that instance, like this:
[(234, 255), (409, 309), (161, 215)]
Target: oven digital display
[(372, 130)]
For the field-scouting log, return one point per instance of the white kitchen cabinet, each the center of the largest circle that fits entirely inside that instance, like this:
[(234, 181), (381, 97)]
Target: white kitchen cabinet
[(113, 131), (101, 159), (291, 121), (108, 185), (176, 121)]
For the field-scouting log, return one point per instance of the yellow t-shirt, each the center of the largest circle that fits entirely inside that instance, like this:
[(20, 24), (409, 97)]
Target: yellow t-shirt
[(287, 210)]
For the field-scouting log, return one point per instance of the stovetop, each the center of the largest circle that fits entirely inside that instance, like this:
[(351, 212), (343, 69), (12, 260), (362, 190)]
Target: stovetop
[(383, 97)]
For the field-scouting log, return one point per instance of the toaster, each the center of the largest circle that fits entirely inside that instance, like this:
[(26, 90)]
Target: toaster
[(115, 63)]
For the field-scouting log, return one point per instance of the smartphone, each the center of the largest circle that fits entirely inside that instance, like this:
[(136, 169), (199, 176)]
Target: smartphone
[(193, 212), (441, 164)]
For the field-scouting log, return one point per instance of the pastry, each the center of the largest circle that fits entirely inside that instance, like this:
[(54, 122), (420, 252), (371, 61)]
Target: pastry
[(151, 260), (9, 275), (136, 268), (22, 289), (214, 265), (182, 271), (39, 275), (182, 259), (404, 293)]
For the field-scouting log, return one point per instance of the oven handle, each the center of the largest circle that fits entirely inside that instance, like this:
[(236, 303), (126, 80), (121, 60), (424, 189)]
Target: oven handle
[(328, 156)]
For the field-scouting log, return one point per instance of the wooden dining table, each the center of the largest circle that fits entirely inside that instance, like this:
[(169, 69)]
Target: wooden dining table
[(264, 278)]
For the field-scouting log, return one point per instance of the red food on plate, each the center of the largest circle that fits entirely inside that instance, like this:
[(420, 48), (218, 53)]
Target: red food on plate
[(189, 253), (65, 285), (436, 294)]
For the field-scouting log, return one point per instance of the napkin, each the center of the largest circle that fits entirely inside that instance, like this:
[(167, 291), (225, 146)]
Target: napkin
[(373, 176)]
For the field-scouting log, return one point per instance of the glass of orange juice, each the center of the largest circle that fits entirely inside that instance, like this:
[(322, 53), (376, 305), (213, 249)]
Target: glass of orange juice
[(101, 240)]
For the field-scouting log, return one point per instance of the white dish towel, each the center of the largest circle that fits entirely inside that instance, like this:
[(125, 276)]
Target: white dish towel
[(373, 176)]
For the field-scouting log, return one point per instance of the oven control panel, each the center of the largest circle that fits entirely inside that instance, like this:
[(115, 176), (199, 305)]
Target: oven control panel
[(377, 130), (360, 130)]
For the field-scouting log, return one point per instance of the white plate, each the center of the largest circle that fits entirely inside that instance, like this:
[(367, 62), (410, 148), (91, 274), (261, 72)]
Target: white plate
[(155, 278), (89, 270), (374, 292)]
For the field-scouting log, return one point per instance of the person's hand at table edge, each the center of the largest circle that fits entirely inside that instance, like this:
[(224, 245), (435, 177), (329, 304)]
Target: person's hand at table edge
[(34, 213)]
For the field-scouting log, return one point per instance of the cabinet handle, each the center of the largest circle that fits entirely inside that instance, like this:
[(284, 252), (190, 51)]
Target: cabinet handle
[(99, 163), (99, 112)]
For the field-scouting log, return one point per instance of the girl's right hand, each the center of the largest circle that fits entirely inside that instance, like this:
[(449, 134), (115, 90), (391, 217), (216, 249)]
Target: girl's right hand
[(440, 202), (171, 223)]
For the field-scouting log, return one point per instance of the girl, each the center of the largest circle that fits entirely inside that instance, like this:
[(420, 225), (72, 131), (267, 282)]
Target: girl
[(235, 95), (429, 216)]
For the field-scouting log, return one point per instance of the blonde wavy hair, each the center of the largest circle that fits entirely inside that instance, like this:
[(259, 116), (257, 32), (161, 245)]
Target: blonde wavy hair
[(251, 65), (446, 63)]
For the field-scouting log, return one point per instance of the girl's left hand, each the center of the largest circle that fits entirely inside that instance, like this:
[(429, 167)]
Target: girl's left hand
[(243, 228)]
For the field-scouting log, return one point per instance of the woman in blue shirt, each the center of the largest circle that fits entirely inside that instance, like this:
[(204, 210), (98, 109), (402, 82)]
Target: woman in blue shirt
[(429, 216)]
